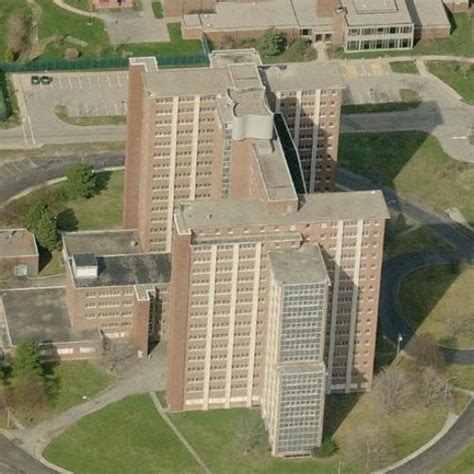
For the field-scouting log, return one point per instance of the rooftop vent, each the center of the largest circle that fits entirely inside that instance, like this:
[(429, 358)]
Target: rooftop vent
[(84, 265)]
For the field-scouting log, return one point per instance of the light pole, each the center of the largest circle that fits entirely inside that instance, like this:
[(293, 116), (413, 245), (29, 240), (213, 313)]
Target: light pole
[(399, 340)]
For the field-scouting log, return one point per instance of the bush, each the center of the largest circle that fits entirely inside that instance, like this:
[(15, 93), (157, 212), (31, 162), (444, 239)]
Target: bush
[(327, 449), (71, 53), (271, 43), (157, 9), (300, 50)]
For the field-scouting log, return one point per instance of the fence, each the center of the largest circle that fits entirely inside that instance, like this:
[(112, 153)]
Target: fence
[(164, 61)]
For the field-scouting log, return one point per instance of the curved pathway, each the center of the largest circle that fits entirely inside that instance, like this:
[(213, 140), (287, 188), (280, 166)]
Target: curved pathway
[(77, 11), (396, 268)]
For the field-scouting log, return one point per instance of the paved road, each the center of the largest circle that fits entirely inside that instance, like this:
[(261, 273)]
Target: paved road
[(18, 175), (445, 448), (14, 460)]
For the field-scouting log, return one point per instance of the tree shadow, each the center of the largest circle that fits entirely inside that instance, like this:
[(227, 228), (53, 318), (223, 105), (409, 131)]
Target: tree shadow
[(52, 382), (67, 220), (45, 257), (102, 181), (336, 410)]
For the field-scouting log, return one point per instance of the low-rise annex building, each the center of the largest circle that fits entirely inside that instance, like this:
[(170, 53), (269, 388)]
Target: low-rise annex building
[(355, 25), (19, 255)]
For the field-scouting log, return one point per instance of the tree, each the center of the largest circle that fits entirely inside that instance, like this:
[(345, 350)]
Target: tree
[(425, 351), (27, 360), (251, 435), (430, 386), (328, 448), (391, 390), (41, 221), (369, 448), (27, 395), (17, 34), (271, 43), (81, 181)]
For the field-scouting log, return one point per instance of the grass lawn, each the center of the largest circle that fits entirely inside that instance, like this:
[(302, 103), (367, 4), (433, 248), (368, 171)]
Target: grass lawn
[(9, 116), (157, 9), (103, 211), (432, 296), (404, 67), (127, 437), (410, 99), (66, 385), (414, 164), (460, 76), (80, 4), (405, 236), (462, 463), (57, 21), (462, 375), (177, 45), (61, 113)]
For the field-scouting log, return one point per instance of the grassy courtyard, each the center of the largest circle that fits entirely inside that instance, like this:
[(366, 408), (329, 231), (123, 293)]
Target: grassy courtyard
[(130, 437), (85, 121), (414, 164), (438, 299), (459, 75), (124, 438), (67, 383), (103, 211)]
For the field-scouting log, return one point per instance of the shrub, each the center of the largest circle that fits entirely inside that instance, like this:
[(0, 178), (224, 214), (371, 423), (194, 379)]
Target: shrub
[(42, 223), (327, 449), (271, 43)]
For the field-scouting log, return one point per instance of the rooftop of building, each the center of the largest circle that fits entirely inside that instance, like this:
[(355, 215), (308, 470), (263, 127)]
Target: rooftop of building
[(120, 242), (302, 266), (127, 270), (220, 58), (40, 315), (376, 12), (274, 170), (428, 13), (321, 207), (259, 15), (17, 243), (225, 75)]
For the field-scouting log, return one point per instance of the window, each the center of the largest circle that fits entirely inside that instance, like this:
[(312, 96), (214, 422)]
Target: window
[(66, 350), (87, 350)]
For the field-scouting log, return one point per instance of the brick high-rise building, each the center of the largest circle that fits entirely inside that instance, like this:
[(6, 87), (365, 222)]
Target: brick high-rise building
[(181, 133), (274, 289)]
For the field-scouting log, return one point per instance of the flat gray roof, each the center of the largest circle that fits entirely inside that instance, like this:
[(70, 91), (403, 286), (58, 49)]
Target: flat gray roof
[(376, 12), (221, 58), (217, 80), (40, 315), (16, 243), (428, 13), (102, 242), (301, 76), (305, 265), (316, 208), (129, 270), (275, 173)]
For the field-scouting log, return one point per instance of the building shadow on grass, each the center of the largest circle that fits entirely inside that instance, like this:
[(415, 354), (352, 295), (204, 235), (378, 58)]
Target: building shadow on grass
[(337, 409)]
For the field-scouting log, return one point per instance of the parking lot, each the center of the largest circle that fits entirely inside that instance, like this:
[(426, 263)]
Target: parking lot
[(83, 94)]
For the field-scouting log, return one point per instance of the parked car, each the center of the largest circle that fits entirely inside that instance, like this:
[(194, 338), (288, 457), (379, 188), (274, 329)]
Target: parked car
[(35, 80), (46, 80)]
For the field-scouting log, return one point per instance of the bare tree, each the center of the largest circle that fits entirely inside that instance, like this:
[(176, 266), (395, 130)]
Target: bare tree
[(425, 351), (17, 34), (430, 386), (369, 448), (117, 356), (391, 389), (27, 396), (460, 323)]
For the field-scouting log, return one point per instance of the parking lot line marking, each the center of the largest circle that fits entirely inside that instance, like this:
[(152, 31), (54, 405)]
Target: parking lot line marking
[(70, 83), (116, 109), (89, 80), (60, 83), (110, 82), (125, 107), (118, 81), (80, 82)]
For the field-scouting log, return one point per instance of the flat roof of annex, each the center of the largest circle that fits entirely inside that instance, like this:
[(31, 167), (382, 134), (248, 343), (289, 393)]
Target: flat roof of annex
[(322, 207), (219, 78)]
